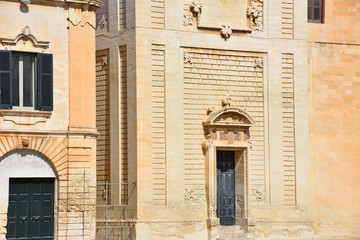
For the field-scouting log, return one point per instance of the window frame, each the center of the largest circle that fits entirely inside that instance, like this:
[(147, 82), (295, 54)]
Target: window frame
[(43, 82), (322, 12), (21, 80)]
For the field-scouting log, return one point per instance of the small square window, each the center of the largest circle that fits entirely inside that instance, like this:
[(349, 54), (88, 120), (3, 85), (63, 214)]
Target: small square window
[(316, 11)]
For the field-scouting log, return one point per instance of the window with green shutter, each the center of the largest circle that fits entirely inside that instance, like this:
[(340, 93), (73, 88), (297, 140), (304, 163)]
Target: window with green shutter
[(26, 81)]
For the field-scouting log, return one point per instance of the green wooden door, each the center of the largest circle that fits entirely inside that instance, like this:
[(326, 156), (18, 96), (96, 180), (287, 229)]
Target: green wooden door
[(31, 209)]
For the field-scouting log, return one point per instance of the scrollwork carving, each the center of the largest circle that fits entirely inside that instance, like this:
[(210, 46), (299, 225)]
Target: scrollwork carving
[(237, 137), (223, 136)]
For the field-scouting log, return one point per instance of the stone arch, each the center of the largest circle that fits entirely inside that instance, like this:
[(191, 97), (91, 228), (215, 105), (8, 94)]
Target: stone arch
[(21, 164), (54, 149), (230, 116)]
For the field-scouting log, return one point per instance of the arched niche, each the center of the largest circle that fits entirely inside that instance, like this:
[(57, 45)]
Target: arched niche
[(227, 129)]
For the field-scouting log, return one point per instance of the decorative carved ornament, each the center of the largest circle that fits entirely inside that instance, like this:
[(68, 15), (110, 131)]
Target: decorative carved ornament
[(226, 102), (25, 35), (258, 62), (102, 22), (196, 7), (225, 31), (104, 60), (253, 13), (188, 19), (258, 195), (187, 57)]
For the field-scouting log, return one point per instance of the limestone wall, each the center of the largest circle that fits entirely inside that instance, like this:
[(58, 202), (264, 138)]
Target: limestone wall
[(66, 136), (334, 57), (334, 138)]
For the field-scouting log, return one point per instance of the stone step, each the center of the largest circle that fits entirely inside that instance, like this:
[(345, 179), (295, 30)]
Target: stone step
[(232, 233)]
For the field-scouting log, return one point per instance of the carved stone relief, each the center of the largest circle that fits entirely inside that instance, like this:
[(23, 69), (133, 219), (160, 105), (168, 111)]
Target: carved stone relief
[(102, 22), (225, 31), (226, 102), (187, 57), (188, 19), (257, 195), (246, 17), (253, 12), (258, 62), (104, 60)]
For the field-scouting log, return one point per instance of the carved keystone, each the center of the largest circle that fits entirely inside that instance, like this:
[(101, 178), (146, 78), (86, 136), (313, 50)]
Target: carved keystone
[(25, 142)]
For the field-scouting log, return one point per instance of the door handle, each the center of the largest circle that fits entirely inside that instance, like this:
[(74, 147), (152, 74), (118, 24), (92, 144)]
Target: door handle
[(35, 219)]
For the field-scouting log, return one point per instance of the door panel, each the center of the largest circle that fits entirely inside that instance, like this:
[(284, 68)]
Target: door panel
[(226, 187), (31, 209)]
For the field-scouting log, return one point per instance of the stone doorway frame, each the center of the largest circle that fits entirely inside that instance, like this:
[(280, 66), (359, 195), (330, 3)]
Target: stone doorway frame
[(225, 129)]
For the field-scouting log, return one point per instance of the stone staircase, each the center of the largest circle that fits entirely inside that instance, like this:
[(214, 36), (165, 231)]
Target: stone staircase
[(232, 233)]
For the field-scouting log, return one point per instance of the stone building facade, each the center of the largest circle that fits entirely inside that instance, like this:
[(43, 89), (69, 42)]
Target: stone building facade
[(227, 113), (47, 119)]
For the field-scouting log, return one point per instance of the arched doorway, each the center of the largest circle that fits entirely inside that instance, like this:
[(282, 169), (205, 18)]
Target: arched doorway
[(28, 193), (227, 146)]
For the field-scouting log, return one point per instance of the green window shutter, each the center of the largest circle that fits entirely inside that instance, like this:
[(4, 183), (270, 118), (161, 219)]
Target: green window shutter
[(5, 80), (45, 82)]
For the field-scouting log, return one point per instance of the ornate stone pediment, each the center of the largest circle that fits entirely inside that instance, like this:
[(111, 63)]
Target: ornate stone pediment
[(230, 117), (25, 35)]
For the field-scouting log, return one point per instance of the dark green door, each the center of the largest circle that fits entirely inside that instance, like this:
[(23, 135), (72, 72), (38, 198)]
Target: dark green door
[(31, 209), (226, 187)]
